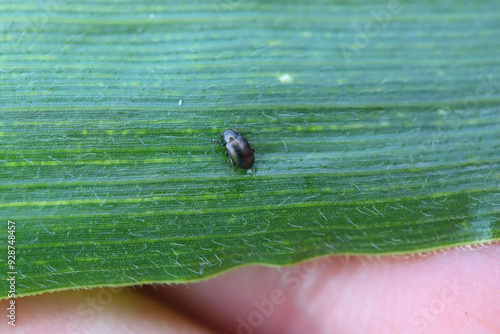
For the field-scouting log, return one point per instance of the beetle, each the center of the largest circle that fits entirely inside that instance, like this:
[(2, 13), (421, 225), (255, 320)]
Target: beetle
[(237, 148)]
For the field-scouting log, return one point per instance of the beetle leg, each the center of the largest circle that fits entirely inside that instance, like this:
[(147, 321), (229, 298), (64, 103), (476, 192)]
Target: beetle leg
[(231, 161)]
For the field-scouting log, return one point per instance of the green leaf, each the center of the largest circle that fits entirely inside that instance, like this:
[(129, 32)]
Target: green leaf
[(376, 128)]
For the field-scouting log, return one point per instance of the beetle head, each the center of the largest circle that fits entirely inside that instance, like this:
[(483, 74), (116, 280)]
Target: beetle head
[(229, 135)]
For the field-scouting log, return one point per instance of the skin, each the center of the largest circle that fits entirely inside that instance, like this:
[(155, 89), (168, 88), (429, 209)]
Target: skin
[(453, 291)]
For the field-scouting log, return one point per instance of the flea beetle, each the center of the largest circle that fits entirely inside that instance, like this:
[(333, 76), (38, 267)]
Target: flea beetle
[(237, 148)]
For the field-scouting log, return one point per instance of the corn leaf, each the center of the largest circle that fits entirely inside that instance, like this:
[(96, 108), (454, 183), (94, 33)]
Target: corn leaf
[(376, 127)]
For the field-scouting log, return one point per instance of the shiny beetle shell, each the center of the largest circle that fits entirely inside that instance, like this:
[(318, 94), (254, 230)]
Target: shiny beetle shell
[(237, 148)]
